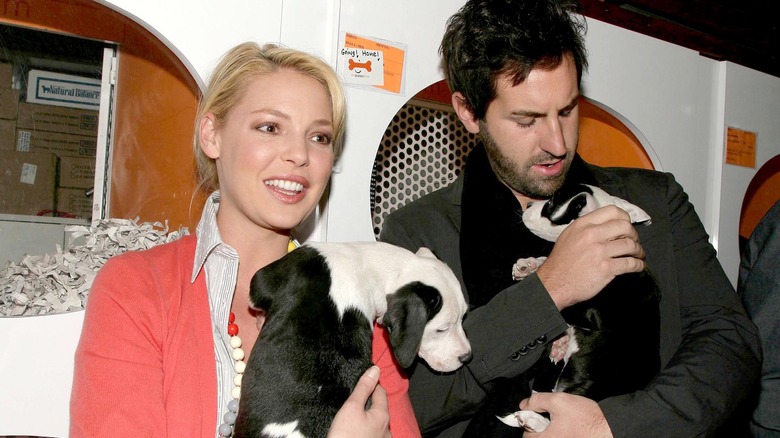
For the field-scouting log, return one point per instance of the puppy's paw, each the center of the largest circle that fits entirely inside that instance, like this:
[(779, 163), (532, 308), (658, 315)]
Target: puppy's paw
[(565, 346), (532, 421), (510, 420), (559, 348), (526, 266)]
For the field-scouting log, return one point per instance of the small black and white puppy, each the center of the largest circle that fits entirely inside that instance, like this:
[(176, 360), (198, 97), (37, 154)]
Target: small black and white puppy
[(613, 343), (321, 301)]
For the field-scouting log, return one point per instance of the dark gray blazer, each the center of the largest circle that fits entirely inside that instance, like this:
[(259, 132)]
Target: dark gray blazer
[(709, 348), (759, 286)]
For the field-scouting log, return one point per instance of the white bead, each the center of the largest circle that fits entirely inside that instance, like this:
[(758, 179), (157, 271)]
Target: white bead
[(238, 354), (235, 342), (240, 367), (236, 393), (225, 429), (237, 379)]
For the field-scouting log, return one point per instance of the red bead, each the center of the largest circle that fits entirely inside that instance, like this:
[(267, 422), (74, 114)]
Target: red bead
[(232, 318), (232, 329)]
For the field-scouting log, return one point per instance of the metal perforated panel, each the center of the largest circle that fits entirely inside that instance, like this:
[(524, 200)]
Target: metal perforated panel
[(423, 149)]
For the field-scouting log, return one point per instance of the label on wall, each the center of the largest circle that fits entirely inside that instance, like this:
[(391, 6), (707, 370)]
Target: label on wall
[(362, 67), (28, 173), (740, 147), (63, 90), (385, 59)]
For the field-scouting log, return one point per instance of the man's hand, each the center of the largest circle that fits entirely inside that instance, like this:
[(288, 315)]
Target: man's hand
[(571, 416), (590, 252), (353, 420)]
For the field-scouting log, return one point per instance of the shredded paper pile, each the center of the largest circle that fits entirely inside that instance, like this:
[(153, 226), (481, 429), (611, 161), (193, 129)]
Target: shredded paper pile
[(56, 283)]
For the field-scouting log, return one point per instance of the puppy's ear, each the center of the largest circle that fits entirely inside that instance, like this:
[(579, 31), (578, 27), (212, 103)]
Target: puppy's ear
[(408, 310), (425, 252), (636, 214), (301, 269)]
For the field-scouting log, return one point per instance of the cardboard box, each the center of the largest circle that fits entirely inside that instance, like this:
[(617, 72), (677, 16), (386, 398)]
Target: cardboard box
[(9, 103), (61, 89), (77, 172), (7, 135), (76, 121), (63, 145), (27, 182), (74, 202), (6, 75)]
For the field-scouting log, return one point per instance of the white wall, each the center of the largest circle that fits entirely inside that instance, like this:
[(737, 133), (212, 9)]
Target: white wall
[(665, 91), (752, 103), (419, 26)]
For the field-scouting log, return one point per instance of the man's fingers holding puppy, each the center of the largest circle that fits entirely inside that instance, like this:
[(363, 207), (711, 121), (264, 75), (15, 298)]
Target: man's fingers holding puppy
[(353, 420), (570, 415), (626, 254), (589, 253)]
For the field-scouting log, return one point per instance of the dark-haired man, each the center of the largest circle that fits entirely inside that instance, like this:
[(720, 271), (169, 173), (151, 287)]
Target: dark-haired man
[(514, 68)]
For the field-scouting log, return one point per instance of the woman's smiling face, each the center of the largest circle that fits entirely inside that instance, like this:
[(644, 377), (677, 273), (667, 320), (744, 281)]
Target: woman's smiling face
[(274, 153)]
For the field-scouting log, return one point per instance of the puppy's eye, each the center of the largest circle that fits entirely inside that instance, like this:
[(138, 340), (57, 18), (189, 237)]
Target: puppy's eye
[(443, 329)]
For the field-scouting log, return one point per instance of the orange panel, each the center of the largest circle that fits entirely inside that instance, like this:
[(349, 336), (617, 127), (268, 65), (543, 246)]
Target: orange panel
[(437, 92), (606, 141), (76, 17), (762, 193), (153, 174), (607, 146)]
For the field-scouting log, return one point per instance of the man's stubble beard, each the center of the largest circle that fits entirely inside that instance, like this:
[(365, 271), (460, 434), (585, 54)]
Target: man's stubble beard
[(522, 180)]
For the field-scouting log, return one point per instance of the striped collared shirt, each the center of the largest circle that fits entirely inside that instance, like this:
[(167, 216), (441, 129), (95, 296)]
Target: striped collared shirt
[(220, 262)]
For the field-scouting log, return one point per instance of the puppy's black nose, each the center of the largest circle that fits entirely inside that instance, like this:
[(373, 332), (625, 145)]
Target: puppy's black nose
[(466, 358)]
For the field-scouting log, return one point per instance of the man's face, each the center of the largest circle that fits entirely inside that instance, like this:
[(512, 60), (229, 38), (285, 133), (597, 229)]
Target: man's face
[(530, 131)]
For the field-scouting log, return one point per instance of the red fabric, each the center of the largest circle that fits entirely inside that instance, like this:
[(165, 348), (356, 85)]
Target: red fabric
[(145, 363), (403, 423)]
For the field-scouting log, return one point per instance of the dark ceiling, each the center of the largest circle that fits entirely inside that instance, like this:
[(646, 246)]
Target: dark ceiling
[(745, 32)]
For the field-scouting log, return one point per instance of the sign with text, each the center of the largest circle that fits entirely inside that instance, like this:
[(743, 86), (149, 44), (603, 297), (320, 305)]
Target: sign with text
[(740, 147), (384, 58), (363, 67), (60, 89)]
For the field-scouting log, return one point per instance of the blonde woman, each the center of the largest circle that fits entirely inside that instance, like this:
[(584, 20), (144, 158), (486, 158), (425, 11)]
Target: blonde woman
[(158, 352)]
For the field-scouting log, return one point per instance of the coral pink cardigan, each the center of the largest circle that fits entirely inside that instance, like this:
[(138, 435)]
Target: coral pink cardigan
[(145, 363)]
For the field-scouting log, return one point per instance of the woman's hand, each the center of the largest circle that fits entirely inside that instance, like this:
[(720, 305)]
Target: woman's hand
[(353, 420)]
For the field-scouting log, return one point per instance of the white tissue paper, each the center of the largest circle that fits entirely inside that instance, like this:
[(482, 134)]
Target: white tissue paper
[(56, 283)]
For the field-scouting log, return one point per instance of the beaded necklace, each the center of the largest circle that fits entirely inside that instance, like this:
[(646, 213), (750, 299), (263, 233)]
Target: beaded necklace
[(229, 419), (226, 428)]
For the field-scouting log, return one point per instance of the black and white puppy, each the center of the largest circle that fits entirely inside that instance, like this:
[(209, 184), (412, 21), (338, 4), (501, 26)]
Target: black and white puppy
[(613, 339), (322, 300)]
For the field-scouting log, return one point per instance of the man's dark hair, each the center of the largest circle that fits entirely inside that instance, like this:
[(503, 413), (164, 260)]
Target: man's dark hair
[(486, 39)]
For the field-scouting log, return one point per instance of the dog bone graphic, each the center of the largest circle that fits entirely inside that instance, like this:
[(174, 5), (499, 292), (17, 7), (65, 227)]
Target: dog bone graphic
[(353, 65)]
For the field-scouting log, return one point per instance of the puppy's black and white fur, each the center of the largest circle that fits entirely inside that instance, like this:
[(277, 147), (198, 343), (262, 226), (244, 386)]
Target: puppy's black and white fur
[(322, 300), (614, 340)]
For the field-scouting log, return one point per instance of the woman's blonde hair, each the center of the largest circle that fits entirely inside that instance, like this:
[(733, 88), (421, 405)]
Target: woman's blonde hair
[(240, 66)]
